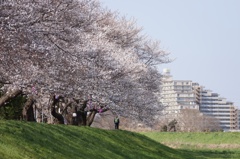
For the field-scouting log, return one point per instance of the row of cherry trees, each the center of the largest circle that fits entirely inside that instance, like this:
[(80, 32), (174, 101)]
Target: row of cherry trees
[(73, 48)]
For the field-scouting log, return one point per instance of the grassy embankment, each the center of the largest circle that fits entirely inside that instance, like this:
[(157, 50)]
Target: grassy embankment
[(20, 140), (26, 140), (202, 145)]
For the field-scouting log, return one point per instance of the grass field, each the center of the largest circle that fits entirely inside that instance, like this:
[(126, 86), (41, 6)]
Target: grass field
[(201, 145), (24, 140)]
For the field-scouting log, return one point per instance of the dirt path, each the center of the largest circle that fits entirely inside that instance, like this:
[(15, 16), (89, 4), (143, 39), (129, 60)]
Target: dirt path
[(202, 146)]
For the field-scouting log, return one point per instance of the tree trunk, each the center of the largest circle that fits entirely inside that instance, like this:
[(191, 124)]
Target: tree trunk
[(83, 119), (91, 117), (28, 113), (82, 115), (8, 96), (58, 116)]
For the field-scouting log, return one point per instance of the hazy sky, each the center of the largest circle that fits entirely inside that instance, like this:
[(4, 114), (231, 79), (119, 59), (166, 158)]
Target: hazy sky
[(203, 36)]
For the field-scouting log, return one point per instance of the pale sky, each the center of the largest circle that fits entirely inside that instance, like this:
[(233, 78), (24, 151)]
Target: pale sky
[(203, 36)]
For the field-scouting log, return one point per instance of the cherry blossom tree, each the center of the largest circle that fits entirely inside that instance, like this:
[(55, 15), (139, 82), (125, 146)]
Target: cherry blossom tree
[(57, 52), (190, 120)]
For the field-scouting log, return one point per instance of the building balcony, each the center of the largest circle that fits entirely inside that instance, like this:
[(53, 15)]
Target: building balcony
[(220, 117), (215, 113), (216, 109), (228, 122), (226, 125)]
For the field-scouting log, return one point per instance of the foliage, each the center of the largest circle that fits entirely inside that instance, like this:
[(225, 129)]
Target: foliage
[(35, 140), (75, 48), (12, 109), (164, 128)]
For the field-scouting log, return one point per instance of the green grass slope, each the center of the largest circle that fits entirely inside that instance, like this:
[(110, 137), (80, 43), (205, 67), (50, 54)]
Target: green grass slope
[(26, 140)]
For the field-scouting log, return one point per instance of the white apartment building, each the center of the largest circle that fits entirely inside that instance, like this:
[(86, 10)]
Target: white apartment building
[(213, 105), (178, 94), (238, 119), (184, 94)]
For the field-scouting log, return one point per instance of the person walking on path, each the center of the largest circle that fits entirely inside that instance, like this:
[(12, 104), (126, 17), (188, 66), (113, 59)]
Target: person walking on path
[(116, 122)]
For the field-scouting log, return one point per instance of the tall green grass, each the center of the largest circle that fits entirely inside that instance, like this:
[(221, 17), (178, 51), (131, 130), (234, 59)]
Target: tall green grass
[(24, 140)]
